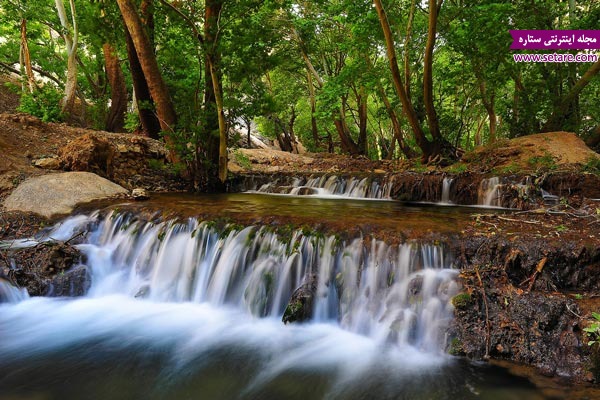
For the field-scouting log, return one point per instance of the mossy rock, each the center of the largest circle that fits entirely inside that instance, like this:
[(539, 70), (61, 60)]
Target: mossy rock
[(461, 301)]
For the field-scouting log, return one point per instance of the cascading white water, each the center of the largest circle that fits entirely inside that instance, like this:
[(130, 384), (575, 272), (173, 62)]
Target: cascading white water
[(192, 290), (10, 293), (446, 187), (490, 192), (331, 186)]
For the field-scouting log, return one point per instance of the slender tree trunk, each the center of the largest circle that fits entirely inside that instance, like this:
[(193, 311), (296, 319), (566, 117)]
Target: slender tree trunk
[(158, 89), (594, 140), (407, 105), (567, 104), (216, 126), (313, 109), (143, 100), (362, 100), (115, 120), (432, 118), (222, 122), (26, 57), (71, 37), (346, 142), (409, 28), (488, 100)]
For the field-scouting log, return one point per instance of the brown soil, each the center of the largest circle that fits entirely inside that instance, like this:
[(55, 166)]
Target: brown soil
[(544, 151)]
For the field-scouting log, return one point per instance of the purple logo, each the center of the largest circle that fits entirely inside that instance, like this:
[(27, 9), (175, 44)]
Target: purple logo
[(558, 39)]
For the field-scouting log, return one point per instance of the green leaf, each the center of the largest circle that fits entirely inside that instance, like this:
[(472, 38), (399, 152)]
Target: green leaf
[(596, 315)]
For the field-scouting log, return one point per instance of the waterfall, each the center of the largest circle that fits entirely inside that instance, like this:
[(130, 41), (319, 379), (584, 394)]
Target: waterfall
[(330, 186), (446, 187), (193, 296), (490, 192), (10, 293)]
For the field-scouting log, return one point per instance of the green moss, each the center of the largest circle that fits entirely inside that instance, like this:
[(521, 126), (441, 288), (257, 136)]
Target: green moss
[(461, 301), (292, 311), (455, 347), (457, 168)]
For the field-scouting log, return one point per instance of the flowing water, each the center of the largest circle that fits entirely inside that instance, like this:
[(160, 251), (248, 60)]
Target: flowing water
[(192, 309), (329, 186), (446, 190), (490, 192)]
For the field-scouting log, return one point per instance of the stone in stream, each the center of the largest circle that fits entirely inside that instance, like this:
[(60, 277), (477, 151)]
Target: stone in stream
[(50, 269), (140, 194), (300, 307), (58, 194)]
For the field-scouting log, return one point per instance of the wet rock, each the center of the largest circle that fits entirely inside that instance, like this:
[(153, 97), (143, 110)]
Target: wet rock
[(73, 283), (140, 194), (300, 306), (49, 269)]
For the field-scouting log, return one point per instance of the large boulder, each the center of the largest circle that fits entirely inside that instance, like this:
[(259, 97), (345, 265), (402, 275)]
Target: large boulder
[(58, 194)]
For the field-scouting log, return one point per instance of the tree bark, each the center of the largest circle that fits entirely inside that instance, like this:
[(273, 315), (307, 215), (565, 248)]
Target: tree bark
[(26, 57), (407, 105), (115, 120), (362, 100), (71, 38), (143, 100), (212, 13), (313, 109), (566, 106), (432, 118), (409, 27), (158, 89), (488, 101)]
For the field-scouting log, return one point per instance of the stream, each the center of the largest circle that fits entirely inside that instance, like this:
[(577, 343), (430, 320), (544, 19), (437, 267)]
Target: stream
[(180, 307)]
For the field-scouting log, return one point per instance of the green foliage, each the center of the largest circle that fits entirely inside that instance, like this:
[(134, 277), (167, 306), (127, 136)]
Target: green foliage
[(561, 228), (132, 121), (592, 165), (43, 103), (545, 162), (242, 160), (593, 330)]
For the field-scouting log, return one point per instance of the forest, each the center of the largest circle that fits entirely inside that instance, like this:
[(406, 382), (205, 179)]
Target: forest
[(384, 80), (289, 199)]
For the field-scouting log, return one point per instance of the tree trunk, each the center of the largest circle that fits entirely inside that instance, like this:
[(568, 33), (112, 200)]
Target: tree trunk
[(26, 57), (71, 37), (115, 120), (346, 142), (593, 141), (156, 85), (214, 95), (362, 100), (396, 128), (143, 100), (313, 110), (407, 105), (567, 104), (432, 118), (409, 28), (215, 124), (488, 101)]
